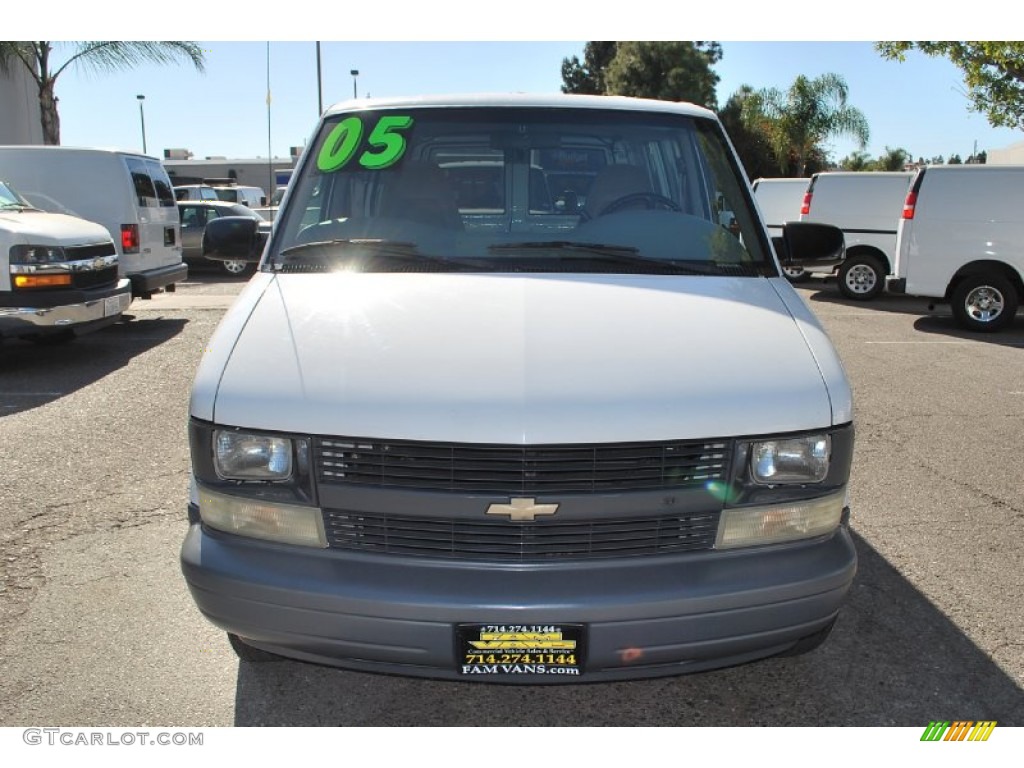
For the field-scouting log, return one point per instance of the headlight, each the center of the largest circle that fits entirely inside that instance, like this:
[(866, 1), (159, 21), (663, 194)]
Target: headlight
[(36, 254), (791, 460), (246, 456)]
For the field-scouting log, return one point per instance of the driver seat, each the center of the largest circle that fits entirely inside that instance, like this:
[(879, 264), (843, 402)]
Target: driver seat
[(612, 183)]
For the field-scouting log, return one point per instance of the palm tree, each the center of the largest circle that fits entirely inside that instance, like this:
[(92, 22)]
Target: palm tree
[(101, 56), (798, 120)]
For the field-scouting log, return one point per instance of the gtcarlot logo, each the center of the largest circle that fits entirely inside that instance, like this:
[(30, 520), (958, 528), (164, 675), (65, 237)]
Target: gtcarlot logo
[(75, 737), (959, 730)]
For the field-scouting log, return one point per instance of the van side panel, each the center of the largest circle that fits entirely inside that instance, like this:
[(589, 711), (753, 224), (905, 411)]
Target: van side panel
[(866, 206), (779, 201), (962, 216)]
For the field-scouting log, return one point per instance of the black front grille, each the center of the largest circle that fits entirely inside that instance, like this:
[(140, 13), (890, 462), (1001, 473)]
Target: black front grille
[(94, 278), (88, 278), (518, 470), (83, 252), (517, 542)]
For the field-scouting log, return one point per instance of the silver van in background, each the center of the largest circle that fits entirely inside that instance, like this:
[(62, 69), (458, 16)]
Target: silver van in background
[(128, 193)]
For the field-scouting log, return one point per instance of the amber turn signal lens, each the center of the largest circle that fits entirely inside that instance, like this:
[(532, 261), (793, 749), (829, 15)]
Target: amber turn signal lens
[(41, 281)]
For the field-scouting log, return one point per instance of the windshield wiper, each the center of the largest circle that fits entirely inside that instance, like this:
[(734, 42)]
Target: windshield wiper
[(20, 207), (394, 250), (612, 254)]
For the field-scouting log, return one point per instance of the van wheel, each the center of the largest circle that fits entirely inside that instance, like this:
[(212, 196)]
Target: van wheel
[(796, 274), (984, 302), (246, 652), (235, 268), (861, 278)]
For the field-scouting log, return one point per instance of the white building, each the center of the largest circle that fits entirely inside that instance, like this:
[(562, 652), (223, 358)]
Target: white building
[(1011, 155), (19, 107)]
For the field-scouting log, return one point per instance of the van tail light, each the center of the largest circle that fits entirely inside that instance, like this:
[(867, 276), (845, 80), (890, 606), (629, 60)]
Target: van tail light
[(909, 204), (806, 207), (129, 238)]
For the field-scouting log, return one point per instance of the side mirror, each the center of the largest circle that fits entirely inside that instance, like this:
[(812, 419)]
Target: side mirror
[(809, 244), (234, 238)]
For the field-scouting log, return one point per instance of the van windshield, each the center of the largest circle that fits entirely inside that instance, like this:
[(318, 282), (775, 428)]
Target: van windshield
[(520, 189)]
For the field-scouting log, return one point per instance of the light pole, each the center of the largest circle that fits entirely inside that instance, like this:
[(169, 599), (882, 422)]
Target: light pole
[(142, 119), (355, 74)]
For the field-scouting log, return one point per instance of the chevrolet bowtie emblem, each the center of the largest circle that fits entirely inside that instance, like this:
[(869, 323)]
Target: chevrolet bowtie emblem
[(522, 510)]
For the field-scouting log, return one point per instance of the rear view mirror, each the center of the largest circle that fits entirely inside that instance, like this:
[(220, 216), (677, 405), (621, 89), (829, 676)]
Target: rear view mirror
[(806, 244), (234, 238)]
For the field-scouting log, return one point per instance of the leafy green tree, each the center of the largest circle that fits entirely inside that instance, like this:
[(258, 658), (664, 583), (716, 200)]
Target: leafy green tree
[(587, 77), (954, 160), (892, 159), (858, 160), (100, 56), (993, 73), (751, 145), (798, 120), (667, 70)]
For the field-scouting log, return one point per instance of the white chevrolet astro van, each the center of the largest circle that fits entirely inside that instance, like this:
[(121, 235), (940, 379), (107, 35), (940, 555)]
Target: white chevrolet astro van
[(961, 240), (58, 274), (508, 401)]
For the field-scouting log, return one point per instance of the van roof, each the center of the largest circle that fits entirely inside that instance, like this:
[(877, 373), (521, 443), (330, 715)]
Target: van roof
[(84, 150), (573, 101)]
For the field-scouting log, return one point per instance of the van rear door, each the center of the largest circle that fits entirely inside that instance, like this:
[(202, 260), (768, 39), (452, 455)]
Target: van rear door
[(155, 240)]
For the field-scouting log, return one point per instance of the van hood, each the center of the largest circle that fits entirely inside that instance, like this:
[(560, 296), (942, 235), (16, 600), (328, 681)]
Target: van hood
[(514, 359), (52, 228)]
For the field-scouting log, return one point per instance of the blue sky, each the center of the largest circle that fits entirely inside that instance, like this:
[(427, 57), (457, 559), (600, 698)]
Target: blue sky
[(917, 105)]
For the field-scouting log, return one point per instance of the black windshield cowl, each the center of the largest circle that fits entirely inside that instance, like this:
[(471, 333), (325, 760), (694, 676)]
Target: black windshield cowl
[(367, 255), (574, 256)]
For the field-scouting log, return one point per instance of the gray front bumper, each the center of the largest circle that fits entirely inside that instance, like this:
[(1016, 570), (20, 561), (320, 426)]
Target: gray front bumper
[(645, 617)]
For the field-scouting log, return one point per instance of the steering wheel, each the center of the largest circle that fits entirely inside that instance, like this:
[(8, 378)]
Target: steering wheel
[(652, 199)]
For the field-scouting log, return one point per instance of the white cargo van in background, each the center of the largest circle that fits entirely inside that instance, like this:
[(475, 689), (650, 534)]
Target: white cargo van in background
[(128, 193), (961, 240), (58, 274), (866, 206), (780, 201)]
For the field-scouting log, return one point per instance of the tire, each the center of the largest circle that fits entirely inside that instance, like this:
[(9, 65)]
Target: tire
[(985, 302), (809, 643), (236, 268), (246, 652), (796, 274), (862, 277)]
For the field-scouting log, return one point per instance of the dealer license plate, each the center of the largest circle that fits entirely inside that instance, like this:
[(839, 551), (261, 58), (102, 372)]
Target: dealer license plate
[(507, 650), (113, 305)]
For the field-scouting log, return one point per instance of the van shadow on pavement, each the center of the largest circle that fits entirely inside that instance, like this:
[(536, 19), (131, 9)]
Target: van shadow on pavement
[(32, 375)]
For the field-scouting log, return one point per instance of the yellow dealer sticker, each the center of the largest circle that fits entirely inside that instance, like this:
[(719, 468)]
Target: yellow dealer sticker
[(518, 649)]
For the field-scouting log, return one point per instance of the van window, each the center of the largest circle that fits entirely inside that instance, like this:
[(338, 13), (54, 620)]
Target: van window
[(162, 183), (515, 189), (145, 192), (153, 187)]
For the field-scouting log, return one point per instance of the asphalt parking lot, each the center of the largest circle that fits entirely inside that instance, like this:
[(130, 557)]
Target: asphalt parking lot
[(97, 626)]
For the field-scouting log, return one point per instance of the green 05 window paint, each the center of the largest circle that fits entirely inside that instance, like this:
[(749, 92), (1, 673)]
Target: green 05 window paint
[(386, 143)]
